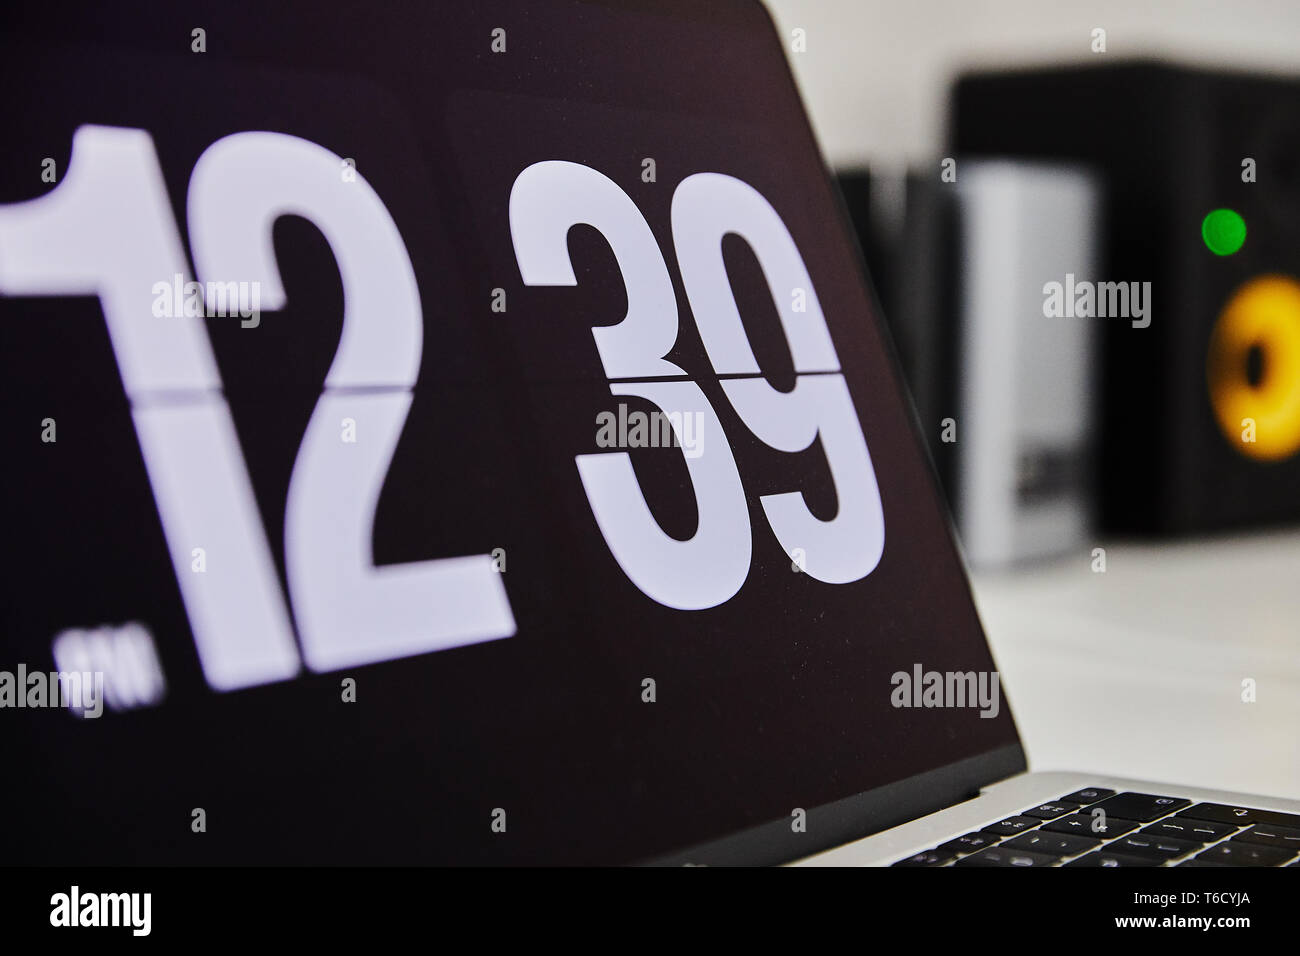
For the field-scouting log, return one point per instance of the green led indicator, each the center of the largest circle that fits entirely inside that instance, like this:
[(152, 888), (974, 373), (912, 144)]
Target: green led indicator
[(1224, 232)]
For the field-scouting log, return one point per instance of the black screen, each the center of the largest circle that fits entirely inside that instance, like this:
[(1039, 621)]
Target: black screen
[(414, 586)]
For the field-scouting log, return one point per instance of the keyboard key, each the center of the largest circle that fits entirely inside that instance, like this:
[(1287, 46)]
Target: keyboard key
[(1056, 844), (1081, 823), (1087, 795), (926, 858), (1241, 816), (1219, 813), (1050, 811), (1277, 818), (1184, 828), (1143, 807), (1197, 861), (1012, 825), (1111, 860), (968, 843), (1001, 856), (1266, 834), (1246, 854), (1149, 845)]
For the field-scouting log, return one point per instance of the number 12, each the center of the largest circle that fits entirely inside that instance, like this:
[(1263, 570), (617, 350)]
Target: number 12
[(108, 230)]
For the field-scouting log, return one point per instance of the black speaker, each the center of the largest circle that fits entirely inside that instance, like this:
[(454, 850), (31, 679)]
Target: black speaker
[(1200, 407), (912, 261)]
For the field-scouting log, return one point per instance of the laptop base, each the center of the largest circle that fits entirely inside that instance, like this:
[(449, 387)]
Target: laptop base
[(1178, 824)]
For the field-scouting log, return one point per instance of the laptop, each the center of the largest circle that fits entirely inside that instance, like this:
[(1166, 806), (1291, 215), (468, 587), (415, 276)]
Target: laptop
[(464, 434)]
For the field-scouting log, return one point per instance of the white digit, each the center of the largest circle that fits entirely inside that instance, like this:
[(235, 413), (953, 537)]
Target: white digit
[(711, 567), (108, 230), (550, 198), (848, 546), (547, 200), (706, 207), (349, 611)]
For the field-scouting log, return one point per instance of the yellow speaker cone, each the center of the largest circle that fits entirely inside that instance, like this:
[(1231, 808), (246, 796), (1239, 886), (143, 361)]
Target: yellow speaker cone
[(1253, 368)]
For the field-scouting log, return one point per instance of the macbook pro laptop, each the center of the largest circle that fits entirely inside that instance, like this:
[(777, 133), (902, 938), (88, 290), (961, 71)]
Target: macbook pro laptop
[(463, 433)]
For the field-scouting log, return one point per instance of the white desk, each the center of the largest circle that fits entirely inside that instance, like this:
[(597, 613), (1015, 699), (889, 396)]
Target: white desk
[(1138, 671)]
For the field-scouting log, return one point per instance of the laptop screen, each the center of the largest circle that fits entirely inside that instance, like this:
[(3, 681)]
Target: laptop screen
[(449, 435)]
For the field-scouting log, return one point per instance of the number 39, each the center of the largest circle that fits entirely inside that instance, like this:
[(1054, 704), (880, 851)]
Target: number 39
[(547, 200)]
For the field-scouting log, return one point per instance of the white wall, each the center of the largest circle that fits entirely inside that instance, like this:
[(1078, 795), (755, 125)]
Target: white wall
[(875, 74)]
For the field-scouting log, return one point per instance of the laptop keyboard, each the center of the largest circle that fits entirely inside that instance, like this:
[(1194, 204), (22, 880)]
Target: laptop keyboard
[(1099, 827)]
